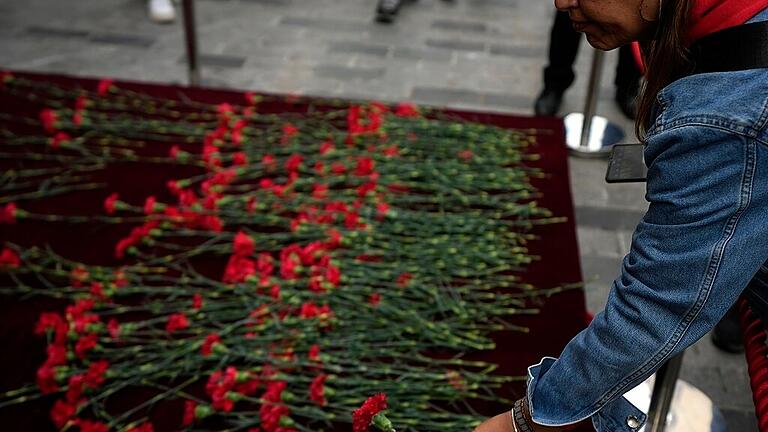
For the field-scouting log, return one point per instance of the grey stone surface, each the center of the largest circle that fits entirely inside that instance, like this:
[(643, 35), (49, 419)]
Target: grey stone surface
[(484, 55)]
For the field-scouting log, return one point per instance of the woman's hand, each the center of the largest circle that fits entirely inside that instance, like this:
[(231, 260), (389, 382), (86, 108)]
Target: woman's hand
[(500, 423), (503, 423)]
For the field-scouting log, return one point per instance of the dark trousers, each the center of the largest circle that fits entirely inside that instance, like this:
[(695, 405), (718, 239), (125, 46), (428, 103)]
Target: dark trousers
[(564, 45)]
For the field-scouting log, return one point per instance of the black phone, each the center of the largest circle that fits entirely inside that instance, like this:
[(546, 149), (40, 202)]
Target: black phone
[(626, 164)]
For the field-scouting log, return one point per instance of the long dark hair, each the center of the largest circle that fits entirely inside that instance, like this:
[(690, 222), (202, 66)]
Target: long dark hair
[(666, 58)]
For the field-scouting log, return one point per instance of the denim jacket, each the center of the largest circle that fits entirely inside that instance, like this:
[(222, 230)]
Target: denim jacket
[(703, 238)]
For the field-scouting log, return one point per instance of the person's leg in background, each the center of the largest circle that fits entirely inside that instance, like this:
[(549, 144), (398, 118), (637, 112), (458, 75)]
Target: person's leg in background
[(161, 11), (558, 75), (386, 10), (627, 82)]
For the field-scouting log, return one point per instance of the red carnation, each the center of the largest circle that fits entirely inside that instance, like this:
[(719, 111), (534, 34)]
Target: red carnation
[(8, 213), (404, 279), (293, 162), (240, 158), (364, 166), (57, 351), (149, 205), (81, 103), (62, 412), (85, 344), (243, 245), (75, 388), (177, 321), (57, 140), (326, 146), (391, 151), (113, 327), (406, 110), (290, 130), (268, 161), (49, 119), (46, 379), (105, 86), (374, 299), (92, 426), (467, 155), (314, 353), (197, 301), (338, 168), (189, 412), (207, 347), (109, 203), (317, 390), (48, 321), (363, 416), (96, 374), (9, 258)]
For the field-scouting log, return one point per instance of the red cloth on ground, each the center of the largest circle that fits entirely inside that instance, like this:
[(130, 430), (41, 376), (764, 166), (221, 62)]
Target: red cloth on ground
[(709, 16)]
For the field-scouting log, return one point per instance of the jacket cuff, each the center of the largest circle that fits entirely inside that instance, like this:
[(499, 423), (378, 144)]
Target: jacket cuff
[(618, 415)]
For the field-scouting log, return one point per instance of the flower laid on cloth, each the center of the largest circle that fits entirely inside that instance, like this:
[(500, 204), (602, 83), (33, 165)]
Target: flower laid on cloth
[(371, 414), (267, 266)]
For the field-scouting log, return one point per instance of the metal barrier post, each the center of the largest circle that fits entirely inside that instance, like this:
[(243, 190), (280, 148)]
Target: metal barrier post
[(190, 37), (586, 133), (663, 391)]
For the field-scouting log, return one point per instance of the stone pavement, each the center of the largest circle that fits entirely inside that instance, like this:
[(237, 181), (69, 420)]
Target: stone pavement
[(472, 54)]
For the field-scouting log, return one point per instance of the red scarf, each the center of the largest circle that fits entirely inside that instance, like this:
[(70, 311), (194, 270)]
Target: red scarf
[(709, 16)]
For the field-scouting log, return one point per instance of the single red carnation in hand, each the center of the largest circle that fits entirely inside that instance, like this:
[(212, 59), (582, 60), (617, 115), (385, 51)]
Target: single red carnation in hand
[(177, 321), (362, 417)]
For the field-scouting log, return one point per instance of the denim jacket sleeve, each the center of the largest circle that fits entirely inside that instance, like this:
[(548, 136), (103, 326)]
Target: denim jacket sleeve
[(702, 239)]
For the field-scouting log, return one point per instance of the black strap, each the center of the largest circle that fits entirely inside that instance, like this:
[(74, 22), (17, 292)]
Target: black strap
[(733, 49)]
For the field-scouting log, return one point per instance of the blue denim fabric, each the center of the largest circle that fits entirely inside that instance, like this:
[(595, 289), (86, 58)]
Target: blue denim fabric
[(704, 237)]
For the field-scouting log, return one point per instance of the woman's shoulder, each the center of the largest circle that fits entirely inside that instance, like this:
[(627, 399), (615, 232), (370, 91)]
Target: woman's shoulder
[(736, 101)]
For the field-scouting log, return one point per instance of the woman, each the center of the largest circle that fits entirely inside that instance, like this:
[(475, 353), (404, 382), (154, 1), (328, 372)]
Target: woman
[(705, 234)]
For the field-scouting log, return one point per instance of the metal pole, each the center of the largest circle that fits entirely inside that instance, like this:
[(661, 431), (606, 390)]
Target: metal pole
[(587, 134), (590, 107), (663, 391), (190, 37)]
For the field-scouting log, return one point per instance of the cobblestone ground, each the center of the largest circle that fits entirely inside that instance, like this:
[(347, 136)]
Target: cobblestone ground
[(472, 54)]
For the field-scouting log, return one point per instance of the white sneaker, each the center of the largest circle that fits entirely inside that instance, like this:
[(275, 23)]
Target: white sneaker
[(161, 11)]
